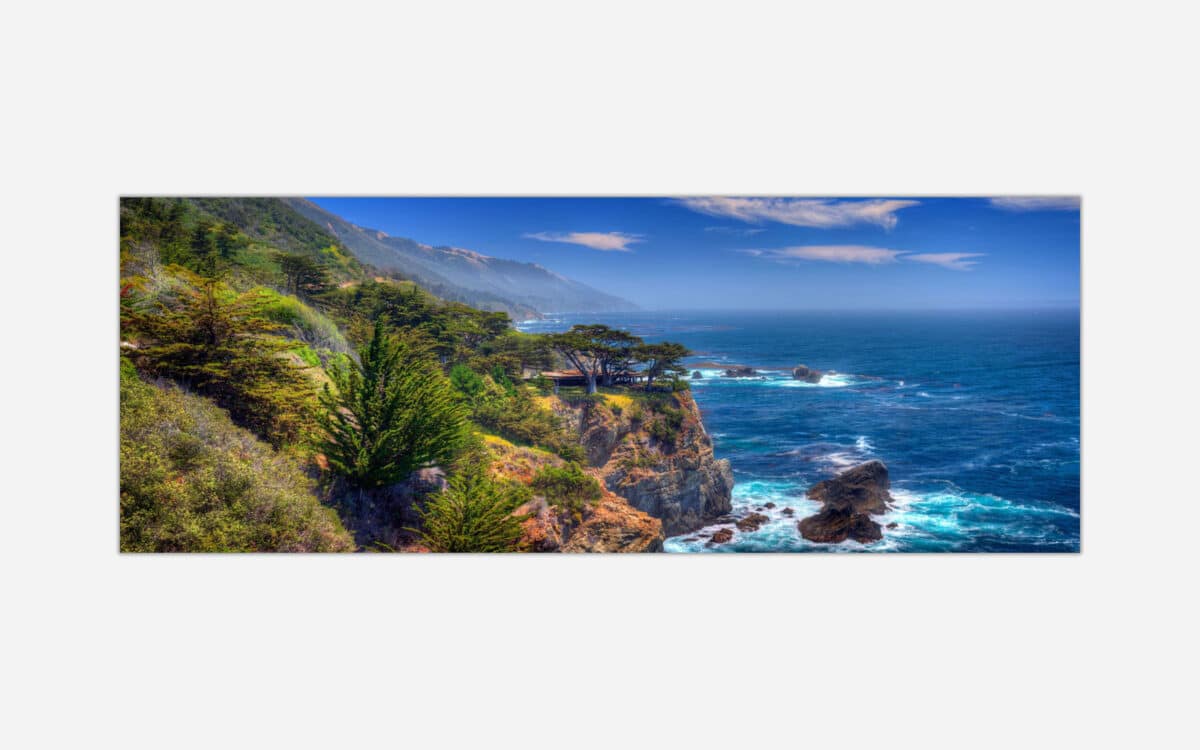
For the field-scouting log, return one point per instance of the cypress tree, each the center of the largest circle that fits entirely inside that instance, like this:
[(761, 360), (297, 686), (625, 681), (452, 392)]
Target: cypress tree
[(390, 413)]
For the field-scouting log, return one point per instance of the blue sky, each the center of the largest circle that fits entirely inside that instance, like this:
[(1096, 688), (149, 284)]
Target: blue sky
[(766, 253)]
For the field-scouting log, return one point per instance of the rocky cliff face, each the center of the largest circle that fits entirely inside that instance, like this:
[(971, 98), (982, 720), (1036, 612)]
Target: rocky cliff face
[(609, 524), (656, 454)]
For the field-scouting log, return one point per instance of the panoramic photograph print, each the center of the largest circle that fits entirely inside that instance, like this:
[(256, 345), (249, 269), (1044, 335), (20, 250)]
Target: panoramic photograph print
[(692, 374)]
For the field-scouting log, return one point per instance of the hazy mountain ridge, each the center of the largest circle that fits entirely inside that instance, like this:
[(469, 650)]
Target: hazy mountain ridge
[(459, 273)]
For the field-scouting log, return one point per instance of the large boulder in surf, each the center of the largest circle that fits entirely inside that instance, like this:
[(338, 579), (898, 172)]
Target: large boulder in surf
[(848, 502), (862, 489), (720, 536), (697, 375), (832, 526), (740, 371), (807, 374)]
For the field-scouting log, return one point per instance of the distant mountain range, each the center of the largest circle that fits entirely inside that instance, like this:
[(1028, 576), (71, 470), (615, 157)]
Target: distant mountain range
[(523, 290)]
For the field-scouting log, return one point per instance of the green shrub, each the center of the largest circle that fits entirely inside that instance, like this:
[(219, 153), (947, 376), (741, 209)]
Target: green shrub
[(567, 487), (474, 514), (514, 415), (666, 424), (191, 481), (466, 381)]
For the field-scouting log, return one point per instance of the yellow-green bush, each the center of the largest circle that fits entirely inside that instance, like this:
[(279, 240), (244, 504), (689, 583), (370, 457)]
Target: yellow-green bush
[(192, 481)]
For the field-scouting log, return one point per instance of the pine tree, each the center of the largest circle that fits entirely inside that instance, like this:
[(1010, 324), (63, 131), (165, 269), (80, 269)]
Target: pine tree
[(474, 514), (389, 413)]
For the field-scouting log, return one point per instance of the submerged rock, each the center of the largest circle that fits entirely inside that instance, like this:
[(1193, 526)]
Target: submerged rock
[(752, 522), (807, 374), (740, 371), (848, 502), (720, 536), (789, 512)]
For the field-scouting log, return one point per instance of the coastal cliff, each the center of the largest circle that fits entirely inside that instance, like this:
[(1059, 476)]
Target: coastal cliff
[(607, 523), (652, 450)]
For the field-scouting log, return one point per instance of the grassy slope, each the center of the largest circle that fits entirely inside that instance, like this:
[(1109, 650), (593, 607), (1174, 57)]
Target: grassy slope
[(192, 481)]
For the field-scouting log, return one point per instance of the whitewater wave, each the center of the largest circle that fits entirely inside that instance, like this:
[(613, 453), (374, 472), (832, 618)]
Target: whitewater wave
[(941, 520), (831, 457), (776, 379)]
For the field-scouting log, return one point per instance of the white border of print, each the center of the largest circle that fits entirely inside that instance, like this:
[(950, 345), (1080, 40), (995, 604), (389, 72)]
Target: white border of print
[(915, 98)]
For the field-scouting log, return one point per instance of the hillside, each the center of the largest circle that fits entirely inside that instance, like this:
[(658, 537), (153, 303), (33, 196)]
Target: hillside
[(464, 275), (277, 393)]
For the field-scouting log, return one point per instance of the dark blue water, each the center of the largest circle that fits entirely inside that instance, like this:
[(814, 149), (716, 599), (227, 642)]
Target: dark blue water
[(976, 415)]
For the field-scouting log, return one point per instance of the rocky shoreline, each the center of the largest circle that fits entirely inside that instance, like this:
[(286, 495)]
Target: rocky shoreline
[(848, 502)]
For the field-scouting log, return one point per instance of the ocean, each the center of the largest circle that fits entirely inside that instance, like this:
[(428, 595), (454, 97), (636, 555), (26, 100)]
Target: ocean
[(975, 413)]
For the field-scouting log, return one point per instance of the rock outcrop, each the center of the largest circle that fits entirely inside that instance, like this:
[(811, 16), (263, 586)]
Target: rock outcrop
[(609, 524), (807, 374), (740, 371), (658, 458), (752, 522), (720, 536), (697, 375), (834, 526), (848, 502), (613, 525)]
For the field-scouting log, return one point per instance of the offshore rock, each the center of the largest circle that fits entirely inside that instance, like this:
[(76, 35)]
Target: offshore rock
[(740, 371), (807, 374), (720, 536), (848, 502), (834, 526), (752, 522), (697, 375), (862, 488)]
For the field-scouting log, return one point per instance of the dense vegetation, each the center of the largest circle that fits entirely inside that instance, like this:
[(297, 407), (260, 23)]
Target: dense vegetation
[(192, 481), (265, 371), (567, 487), (474, 514)]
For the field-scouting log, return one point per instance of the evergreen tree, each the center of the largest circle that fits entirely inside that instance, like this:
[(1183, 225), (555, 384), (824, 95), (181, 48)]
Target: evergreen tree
[(303, 275), (661, 359), (218, 343), (474, 514), (389, 413)]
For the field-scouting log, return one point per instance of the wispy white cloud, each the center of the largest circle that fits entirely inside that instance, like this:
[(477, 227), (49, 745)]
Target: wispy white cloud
[(736, 231), (953, 261), (828, 253), (606, 241), (1037, 202), (821, 213), (863, 254)]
